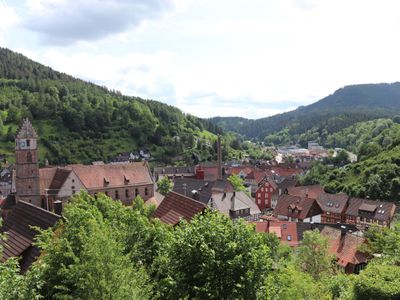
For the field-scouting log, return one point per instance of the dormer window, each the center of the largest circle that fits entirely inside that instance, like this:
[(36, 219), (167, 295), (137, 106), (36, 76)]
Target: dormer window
[(126, 180), (106, 182)]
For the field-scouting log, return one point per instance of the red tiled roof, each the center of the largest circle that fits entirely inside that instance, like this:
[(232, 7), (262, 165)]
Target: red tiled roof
[(345, 247), (236, 170), (94, 176), (311, 191), (176, 206), (46, 176), (286, 172), (20, 235), (210, 173), (334, 203), (52, 179), (304, 206), (286, 231), (252, 173)]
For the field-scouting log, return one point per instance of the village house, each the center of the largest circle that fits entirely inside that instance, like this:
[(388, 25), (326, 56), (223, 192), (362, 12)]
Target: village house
[(298, 209), (252, 176), (309, 191), (363, 212), (201, 190), (126, 157), (343, 241), (121, 182), (176, 207), (263, 195), (289, 233), (172, 172), (345, 247), (283, 184), (235, 205), (333, 207), (219, 195)]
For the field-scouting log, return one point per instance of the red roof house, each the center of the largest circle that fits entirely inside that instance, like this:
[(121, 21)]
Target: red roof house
[(309, 191), (295, 208), (345, 247), (175, 207)]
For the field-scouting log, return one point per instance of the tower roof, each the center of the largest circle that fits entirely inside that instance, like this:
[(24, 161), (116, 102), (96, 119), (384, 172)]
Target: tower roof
[(27, 130)]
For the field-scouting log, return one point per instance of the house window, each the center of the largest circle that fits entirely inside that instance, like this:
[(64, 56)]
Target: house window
[(136, 192), (29, 157), (116, 194), (126, 193), (289, 237), (73, 180), (146, 191), (28, 143)]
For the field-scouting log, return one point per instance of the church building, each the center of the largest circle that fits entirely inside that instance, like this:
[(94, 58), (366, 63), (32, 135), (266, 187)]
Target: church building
[(42, 187)]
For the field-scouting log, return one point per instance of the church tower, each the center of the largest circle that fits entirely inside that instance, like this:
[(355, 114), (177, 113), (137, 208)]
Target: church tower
[(27, 182)]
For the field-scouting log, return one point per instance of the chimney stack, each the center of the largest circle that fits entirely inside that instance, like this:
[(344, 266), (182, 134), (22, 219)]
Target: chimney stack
[(219, 157)]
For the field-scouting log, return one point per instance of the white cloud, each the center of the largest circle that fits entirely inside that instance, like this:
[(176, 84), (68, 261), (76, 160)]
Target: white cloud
[(8, 18), (64, 22), (221, 57)]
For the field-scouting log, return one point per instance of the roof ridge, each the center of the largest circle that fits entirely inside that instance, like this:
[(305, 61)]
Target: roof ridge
[(39, 208)]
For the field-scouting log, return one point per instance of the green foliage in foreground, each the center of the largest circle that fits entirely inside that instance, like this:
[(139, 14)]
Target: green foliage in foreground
[(215, 258), (103, 250)]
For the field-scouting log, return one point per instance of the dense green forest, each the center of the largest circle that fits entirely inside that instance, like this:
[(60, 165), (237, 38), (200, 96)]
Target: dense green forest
[(351, 137), (335, 112), (78, 121), (376, 174), (103, 250)]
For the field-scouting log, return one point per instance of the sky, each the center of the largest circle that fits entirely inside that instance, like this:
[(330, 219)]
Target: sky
[(248, 58)]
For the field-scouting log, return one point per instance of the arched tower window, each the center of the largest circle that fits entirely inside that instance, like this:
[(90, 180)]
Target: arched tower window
[(29, 157)]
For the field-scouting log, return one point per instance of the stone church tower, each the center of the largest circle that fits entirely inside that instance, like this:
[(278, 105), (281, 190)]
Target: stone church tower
[(27, 182)]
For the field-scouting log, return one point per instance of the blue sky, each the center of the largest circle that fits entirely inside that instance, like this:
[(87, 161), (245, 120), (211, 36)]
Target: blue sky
[(251, 58)]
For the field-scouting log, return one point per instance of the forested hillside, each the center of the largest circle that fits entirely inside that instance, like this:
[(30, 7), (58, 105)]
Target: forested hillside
[(79, 121), (376, 174), (343, 108)]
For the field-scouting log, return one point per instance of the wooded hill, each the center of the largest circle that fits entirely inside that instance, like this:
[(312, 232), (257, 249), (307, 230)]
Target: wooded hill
[(377, 172), (333, 113), (79, 121)]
